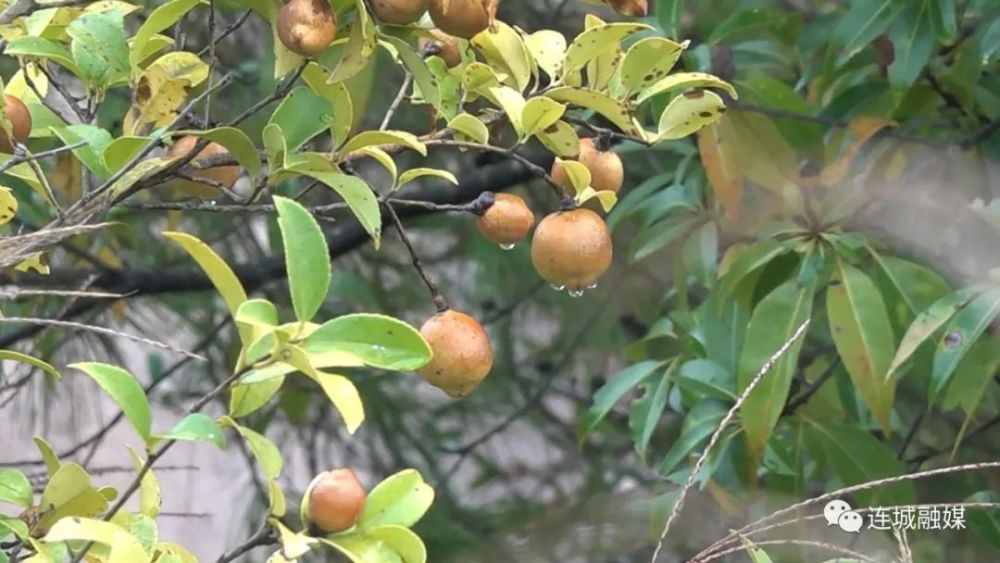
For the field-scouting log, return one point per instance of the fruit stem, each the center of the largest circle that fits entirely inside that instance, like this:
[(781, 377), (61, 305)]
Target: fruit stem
[(567, 203), (439, 301)]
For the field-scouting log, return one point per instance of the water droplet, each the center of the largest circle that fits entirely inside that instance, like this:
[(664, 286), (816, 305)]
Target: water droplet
[(953, 339), (507, 246), (212, 203), (592, 286), (558, 287), (576, 293)]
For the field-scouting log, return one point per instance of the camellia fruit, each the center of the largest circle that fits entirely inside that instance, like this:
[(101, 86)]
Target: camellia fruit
[(448, 48), (462, 353), (507, 221), (463, 18), (399, 12), (606, 170), (336, 500), (572, 249), (633, 8), (306, 27), (20, 123), (225, 175)]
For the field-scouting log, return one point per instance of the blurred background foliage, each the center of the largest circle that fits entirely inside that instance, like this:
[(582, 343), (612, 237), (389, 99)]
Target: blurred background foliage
[(864, 130)]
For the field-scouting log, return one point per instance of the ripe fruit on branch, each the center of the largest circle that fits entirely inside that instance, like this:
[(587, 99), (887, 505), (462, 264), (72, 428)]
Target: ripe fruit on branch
[(399, 12), (225, 175), (572, 249), (448, 48), (606, 170), (463, 18), (507, 221), (463, 355), (632, 8), (20, 123), (335, 500), (306, 27)]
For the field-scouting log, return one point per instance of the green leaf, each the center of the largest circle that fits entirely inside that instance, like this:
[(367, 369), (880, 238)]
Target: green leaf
[(774, 321), (264, 450), (338, 98), (961, 333), (416, 173), (913, 41), (547, 48), (124, 546), (123, 387), (928, 322), (649, 60), (99, 48), (380, 341), (685, 81), (197, 427), (383, 158), (159, 19), (688, 113), (48, 455), (603, 104), (15, 525), (121, 150), (360, 47), (943, 19), (359, 548), (301, 116), (561, 138), (31, 361), (613, 390), (236, 142), (707, 378), (985, 522), (399, 500), (247, 399), (596, 40), (356, 193), (405, 543), (415, 63), (512, 103), (862, 333), (218, 272), (40, 47), (306, 256), (646, 412), (90, 154), (15, 488), (968, 387), (668, 13), (698, 425), (150, 497), (858, 457), (865, 21)]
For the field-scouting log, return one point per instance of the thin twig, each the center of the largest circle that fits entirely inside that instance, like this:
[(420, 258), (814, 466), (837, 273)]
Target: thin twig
[(18, 293), (26, 157), (265, 535), (679, 504), (439, 301), (396, 102), (101, 330), (510, 153)]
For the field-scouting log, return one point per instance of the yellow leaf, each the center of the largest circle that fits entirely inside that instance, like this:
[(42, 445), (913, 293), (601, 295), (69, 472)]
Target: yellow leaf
[(36, 262), (221, 275), (649, 60), (8, 205), (603, 104), (415, 173), (469, 128), (478, 78), (607, 198), (67, 176), (150, 498), (384, 138), (293, 545), (512, 103), (561, 139), (359, 49), (540, 113), (383, 158), (720, 157), (162, 89), (577, 173), (685, 80), (341, 392), (597, 40), (70, 493), (125, 548), (547, 48), (504, 48), (688, 113)]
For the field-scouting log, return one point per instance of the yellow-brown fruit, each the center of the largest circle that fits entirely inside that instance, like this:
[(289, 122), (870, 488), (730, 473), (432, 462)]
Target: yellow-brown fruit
[(306, 27), (572, 249), (336, 500), (507, 221), (463, 355), (225, 175), (20, 123), (463, 18), (448, 45), (399, 12), (633, 8), (606, 170)]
